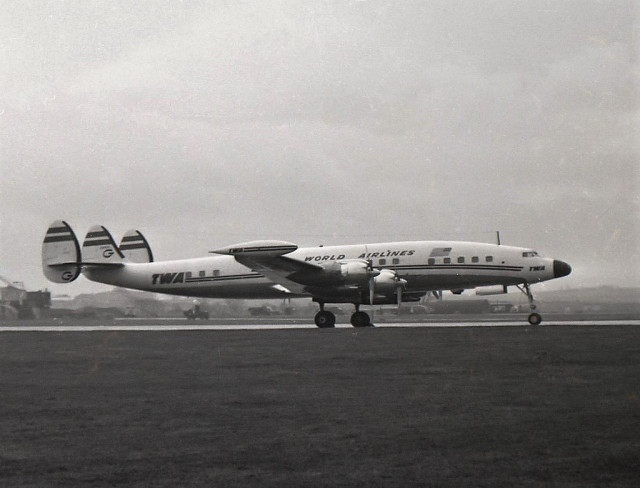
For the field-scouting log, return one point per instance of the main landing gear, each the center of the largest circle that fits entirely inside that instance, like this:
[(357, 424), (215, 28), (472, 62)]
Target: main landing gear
[(360, 319), (534, 317), (325, 319)]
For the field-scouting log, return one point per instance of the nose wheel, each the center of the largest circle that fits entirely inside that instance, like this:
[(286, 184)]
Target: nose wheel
[(534, 317)]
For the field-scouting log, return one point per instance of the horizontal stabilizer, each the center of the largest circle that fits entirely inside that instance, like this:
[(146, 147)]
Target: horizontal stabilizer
[(61, 255), (99, 247), (135, 247)]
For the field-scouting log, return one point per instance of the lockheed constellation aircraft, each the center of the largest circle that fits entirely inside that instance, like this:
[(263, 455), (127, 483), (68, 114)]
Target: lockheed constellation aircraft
[(361, 274)]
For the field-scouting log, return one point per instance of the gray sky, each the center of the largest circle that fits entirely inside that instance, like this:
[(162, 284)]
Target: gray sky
[(208, 123)]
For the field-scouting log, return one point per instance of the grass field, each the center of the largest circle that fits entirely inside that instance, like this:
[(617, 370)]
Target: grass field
[(509, 406)]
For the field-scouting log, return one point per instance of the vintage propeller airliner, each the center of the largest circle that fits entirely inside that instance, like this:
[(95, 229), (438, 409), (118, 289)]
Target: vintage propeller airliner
[(361, 274)]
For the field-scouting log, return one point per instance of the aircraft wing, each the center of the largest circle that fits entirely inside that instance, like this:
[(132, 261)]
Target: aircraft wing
[(268, 258)]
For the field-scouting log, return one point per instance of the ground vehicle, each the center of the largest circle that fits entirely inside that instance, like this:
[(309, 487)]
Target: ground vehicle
[(196, 313)]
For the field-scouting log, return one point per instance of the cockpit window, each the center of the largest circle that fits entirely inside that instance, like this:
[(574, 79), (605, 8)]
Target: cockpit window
[(529, 254)]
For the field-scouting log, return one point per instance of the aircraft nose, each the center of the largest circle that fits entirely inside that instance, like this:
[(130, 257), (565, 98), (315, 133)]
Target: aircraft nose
[(560, 269)]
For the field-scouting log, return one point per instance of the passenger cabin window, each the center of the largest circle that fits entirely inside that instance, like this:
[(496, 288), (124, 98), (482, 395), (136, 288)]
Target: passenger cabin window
[(201, 274), (475, 259), (489, 259), (395, 261), (382, 262), (461, 259), (431, 261), (216, 272), (447, 260)]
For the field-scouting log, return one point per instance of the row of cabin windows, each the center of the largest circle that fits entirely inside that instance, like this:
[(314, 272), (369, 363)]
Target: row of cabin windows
[(432, 261), (202, 274), (461, 260)]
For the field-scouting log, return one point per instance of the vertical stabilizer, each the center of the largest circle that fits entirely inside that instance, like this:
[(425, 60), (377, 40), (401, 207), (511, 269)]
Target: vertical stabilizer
[(135, 247), (61, 255), (100, 248)]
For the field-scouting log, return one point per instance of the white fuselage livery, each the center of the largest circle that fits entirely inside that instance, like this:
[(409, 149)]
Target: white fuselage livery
[(425, 265)]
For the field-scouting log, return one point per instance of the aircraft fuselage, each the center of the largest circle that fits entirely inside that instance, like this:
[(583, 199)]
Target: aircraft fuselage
[(425, 265)]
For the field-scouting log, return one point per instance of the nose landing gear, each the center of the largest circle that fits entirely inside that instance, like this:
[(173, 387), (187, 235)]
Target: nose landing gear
[(534, 317)]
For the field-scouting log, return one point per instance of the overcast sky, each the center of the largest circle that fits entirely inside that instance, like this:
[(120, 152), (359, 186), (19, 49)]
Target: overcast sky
[(208, 123)]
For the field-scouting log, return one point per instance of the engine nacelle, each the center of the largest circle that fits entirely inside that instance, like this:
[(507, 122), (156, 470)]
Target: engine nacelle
[(385, 286), (357, 271), (387, 282)]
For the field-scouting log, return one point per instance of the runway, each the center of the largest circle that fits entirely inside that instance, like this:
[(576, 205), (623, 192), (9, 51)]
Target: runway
[(191, 326)]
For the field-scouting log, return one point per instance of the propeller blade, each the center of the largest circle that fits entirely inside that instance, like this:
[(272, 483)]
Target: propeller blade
[(402, 284), (372, 284)]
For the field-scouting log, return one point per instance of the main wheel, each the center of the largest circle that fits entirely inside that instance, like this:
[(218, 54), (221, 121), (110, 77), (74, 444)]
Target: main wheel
[(360, 319), (324, 319), (535, 319)]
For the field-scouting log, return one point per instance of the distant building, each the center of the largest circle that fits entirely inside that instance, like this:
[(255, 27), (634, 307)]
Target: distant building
[(17, 303)]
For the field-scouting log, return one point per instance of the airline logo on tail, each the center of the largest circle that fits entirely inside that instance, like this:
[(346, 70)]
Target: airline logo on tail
[(99, 247), (63, 258), (135, 247), (60, 253)]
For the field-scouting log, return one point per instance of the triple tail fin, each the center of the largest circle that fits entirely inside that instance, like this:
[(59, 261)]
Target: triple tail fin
[(99, 248), (61, 257), (135, 247)]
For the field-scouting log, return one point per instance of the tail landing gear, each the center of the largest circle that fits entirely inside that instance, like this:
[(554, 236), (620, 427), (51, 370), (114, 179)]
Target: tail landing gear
[(534, 317)]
